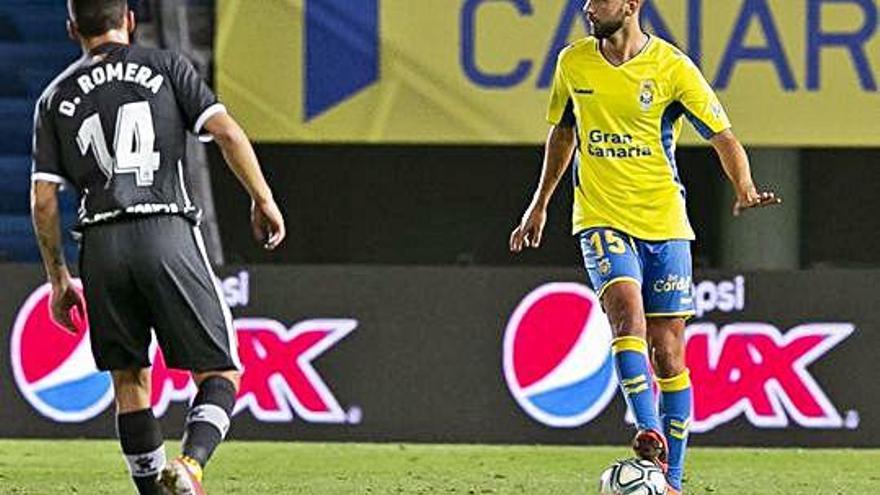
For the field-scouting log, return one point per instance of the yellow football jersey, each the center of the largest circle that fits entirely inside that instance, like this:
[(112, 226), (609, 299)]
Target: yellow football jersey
[(628, 120)]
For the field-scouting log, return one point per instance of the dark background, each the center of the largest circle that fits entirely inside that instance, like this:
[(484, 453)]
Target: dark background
[(448, 205), (424, 363)]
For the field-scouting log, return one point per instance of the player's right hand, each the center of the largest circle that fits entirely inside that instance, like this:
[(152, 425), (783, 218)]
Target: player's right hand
[(531, 227), (267, 223), (66, 303)]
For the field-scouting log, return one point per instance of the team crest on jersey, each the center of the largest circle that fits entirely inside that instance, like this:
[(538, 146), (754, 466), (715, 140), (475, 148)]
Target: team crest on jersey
[(604, 266), (717, 110), (646, 94)]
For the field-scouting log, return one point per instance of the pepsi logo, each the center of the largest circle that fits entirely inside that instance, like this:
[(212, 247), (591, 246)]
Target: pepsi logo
[(557, 356), (56, 373), (54, 370)]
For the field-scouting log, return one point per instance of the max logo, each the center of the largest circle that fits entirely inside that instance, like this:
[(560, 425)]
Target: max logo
[(342, 51), (557, 343), (756, 370), (57, 376), (278, 377)]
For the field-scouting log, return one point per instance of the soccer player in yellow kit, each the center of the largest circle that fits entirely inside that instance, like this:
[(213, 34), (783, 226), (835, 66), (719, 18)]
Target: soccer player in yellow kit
[(619, 97)]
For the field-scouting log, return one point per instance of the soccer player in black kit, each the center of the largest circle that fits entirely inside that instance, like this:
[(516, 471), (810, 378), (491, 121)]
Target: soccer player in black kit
[(113, 125)]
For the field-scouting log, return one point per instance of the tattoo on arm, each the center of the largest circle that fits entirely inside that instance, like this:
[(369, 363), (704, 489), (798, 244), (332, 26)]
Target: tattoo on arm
[(47, 226), (50, 247)]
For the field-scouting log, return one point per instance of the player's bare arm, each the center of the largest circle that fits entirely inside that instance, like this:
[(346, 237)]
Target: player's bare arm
[(735, 162), (560, 146), (47, 225), (266, 219)]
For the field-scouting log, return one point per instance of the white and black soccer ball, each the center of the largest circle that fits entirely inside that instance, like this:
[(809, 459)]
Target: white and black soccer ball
[(633, 477)]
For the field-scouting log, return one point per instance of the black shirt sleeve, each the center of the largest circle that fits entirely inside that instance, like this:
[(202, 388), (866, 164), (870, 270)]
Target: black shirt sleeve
[(46, 156), (196, 100)]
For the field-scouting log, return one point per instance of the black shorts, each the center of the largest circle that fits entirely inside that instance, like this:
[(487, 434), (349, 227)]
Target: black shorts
[(153, 273)]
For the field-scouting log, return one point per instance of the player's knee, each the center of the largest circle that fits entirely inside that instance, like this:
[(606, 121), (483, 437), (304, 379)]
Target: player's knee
[(668, 359), (131, 377), (667, 338), (626, 323), (623, 305), (132, 389), (233, 376)]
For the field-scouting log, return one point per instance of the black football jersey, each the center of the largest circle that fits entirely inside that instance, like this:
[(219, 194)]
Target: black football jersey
[(114, 126)]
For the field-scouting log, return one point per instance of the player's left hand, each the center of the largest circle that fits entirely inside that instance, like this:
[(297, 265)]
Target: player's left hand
[(753, 199)]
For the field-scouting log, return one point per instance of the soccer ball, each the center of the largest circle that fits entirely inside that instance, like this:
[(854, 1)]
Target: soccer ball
[(633, 477)]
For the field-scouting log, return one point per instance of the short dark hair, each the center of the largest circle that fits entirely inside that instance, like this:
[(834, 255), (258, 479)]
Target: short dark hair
[(96, 17)]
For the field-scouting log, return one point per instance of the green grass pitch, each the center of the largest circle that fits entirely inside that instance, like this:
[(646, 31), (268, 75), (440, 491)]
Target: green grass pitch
[(95, 467)]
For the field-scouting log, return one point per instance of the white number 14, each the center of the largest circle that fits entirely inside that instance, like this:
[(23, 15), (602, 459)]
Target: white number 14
[(133, 143)]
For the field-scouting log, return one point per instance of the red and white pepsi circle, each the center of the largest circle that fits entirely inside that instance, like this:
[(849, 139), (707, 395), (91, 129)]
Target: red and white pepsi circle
[(557, 356), (53, 369)]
